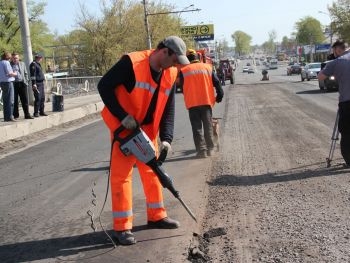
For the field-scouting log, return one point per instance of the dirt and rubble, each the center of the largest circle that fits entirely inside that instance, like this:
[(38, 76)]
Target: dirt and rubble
[(271, 197)]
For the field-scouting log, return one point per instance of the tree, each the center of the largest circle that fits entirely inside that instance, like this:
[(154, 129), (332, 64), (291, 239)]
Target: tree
[(309, 31), (340, 15), (242, 42), (120, 29), (10, 35), (270, 46)]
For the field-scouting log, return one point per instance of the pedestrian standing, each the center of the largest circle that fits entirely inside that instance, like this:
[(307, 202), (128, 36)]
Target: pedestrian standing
[(20, 86), (6, 83), (139, 91), (37, 78), (198, 80), (340, 68)]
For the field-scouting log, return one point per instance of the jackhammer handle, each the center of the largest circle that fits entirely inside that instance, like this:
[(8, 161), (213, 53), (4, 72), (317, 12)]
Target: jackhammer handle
[(120, 129), (162, 156)]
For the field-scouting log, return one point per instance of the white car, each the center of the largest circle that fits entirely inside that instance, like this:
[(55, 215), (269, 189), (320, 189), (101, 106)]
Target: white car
[(245, 69), (310, 71)]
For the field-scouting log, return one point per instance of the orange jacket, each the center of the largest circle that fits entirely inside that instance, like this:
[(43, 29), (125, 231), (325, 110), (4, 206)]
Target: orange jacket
[(198, 87), (137, 102)]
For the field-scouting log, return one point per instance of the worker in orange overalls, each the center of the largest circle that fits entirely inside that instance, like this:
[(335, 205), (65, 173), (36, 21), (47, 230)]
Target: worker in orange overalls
[(198, 80), (138, 91)]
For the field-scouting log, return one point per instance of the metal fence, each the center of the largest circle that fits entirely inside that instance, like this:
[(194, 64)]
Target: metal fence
[(68, 87), (72, 86)]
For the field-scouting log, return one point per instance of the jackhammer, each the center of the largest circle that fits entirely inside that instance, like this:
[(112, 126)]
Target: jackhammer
[(138, 144)]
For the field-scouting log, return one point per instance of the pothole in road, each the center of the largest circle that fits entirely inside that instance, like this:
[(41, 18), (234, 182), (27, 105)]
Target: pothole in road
[(200, 245)]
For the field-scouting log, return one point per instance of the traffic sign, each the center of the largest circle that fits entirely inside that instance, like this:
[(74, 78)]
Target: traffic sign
[(198, 32)]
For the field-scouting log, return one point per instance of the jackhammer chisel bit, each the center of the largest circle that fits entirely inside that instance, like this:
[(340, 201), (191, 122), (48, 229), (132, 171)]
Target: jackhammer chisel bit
[(166, 182)]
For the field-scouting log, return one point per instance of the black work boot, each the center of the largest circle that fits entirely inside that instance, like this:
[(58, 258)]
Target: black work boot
[(202, 154), (165, 223), (125, 237)]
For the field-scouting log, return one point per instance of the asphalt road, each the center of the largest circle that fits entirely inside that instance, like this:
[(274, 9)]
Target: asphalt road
[(48, 188)]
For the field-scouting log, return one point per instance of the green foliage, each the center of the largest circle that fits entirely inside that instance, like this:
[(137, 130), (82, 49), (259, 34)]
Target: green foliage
[(270, 46), (119, 29), (242, 42), (340, 14), (10, 34), (309, 31)]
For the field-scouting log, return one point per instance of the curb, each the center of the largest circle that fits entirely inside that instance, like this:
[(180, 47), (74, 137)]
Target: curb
[(23, 128)]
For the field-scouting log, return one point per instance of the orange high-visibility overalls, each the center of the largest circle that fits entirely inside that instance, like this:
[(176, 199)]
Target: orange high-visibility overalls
[(136, 104), (198, 87)]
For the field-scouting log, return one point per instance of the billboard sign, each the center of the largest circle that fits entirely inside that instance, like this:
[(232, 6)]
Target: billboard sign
[(323, 48), (198, 32)]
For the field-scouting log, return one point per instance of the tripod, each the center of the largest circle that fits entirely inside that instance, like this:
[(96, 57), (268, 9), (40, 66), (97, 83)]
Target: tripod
[(335, 137)]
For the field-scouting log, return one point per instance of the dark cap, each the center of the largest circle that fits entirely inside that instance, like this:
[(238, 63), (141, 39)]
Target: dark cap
[(177, 45), (338, 43), (38, 55)]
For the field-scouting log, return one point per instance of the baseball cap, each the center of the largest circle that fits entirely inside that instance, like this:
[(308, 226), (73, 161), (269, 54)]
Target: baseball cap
[(177, 45)]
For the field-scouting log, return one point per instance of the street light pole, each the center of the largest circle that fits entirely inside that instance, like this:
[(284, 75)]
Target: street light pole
[(330, 26), (149, 42)]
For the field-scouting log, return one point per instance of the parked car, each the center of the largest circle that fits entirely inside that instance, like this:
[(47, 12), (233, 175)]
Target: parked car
[(293, 69), (310, 71), (330, 83)]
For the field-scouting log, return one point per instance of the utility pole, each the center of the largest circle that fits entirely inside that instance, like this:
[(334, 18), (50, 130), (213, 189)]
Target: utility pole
[(149, 42), (25, 32), (26, 42)]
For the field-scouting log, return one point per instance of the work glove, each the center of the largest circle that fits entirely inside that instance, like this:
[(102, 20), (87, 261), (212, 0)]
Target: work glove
[(129, 122), (166, 146), (218, 99)]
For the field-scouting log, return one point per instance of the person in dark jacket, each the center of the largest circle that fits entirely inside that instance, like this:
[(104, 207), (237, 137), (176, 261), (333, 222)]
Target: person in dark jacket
[(37, 77)]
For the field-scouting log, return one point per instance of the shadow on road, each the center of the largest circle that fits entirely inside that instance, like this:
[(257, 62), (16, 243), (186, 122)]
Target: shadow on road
[(62, 247), (183, 156), (314, 91), (277, 177), (66, 249), (91, 169)]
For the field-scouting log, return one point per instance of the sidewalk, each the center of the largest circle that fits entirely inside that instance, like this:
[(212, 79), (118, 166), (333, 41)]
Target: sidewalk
[(74, 108)]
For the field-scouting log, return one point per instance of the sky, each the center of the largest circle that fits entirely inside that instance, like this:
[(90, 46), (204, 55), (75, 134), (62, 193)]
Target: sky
[(254, 17)]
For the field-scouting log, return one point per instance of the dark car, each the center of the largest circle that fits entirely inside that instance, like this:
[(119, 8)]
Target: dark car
[(330, 83), (294, 69)]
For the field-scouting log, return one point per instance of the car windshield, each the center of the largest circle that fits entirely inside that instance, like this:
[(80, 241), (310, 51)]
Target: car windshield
[(318, 65)]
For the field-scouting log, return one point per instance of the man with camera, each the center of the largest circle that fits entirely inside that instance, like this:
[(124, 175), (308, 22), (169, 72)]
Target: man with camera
[(340, 68)]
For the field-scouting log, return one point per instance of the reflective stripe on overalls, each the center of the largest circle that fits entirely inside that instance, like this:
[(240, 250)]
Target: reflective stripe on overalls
[(136, 103)]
